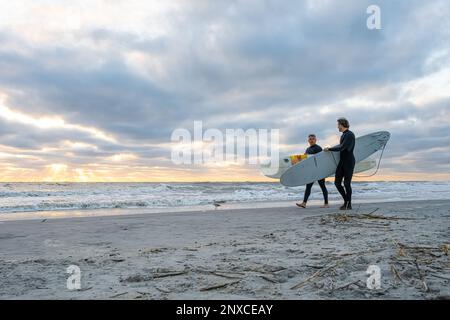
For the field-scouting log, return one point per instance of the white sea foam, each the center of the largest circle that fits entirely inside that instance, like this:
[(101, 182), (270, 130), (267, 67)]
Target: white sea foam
[(29, 197)]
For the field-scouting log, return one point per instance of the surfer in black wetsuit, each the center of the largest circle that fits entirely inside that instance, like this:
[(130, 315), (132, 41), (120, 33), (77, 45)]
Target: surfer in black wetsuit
[(313, 149), (346, 163)]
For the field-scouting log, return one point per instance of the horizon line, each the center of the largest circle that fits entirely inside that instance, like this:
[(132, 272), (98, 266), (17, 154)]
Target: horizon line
[(207, 181)]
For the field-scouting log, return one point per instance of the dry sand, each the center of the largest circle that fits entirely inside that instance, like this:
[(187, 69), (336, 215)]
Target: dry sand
[(272, 253)]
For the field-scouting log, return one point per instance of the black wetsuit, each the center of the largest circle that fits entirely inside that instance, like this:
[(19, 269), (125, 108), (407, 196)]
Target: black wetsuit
[(313, 150), (345, 166)]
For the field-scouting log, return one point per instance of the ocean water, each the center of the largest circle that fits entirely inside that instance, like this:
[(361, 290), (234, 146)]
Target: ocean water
[(38, 197)]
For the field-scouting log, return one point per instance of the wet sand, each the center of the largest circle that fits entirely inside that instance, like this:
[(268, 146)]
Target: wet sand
[(263, 253)]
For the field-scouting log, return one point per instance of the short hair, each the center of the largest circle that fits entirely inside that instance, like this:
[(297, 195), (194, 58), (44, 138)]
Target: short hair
[(311, 135), (343, 122)]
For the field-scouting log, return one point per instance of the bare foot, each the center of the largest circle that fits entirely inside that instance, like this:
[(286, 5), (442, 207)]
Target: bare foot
[(325, 206), (301, 205)]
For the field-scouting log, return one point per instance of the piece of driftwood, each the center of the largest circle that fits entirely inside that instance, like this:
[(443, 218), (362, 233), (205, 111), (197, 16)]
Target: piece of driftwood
[(168, 274), (162, 290), (396, 273), (421, 276), (315, 275), (219, 286), (118, 295), (278, 269), (346, 285), (269, 279), (357, 253), (438, 276), (260, 270), (222, 275), (85, 289), (417, 247), (373, 211), (314, 267)]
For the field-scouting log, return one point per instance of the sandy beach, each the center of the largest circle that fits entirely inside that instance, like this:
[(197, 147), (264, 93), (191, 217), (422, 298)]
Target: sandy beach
[(264, 253)]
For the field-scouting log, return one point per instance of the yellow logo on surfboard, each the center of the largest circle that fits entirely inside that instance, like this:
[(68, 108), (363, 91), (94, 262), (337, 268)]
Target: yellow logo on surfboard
[(296, 158)]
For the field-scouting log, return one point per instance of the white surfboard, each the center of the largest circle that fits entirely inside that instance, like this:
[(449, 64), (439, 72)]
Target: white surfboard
[(323, 164), (285, 163)]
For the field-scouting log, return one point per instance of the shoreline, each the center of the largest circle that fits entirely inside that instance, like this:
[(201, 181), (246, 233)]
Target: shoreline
[(48, 201), (263, 253), (117, 212)]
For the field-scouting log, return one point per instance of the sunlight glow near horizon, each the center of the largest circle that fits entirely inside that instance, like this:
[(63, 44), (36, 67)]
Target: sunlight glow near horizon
[(61, 172)]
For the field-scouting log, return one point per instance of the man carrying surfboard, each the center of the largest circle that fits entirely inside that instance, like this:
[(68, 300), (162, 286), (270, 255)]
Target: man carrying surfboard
[(346, 163), (313, 149)]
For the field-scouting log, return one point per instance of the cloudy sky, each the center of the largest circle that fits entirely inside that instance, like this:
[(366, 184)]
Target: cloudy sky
[(92, 90)]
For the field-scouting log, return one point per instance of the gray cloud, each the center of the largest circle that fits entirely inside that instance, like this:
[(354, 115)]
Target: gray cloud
[(280, 65)]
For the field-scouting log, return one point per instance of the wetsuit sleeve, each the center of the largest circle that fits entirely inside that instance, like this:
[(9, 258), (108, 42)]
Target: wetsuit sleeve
[(346, 143), (313, 150)]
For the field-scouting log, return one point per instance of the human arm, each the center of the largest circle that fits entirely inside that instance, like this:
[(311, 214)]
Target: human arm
[(346, 143)]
